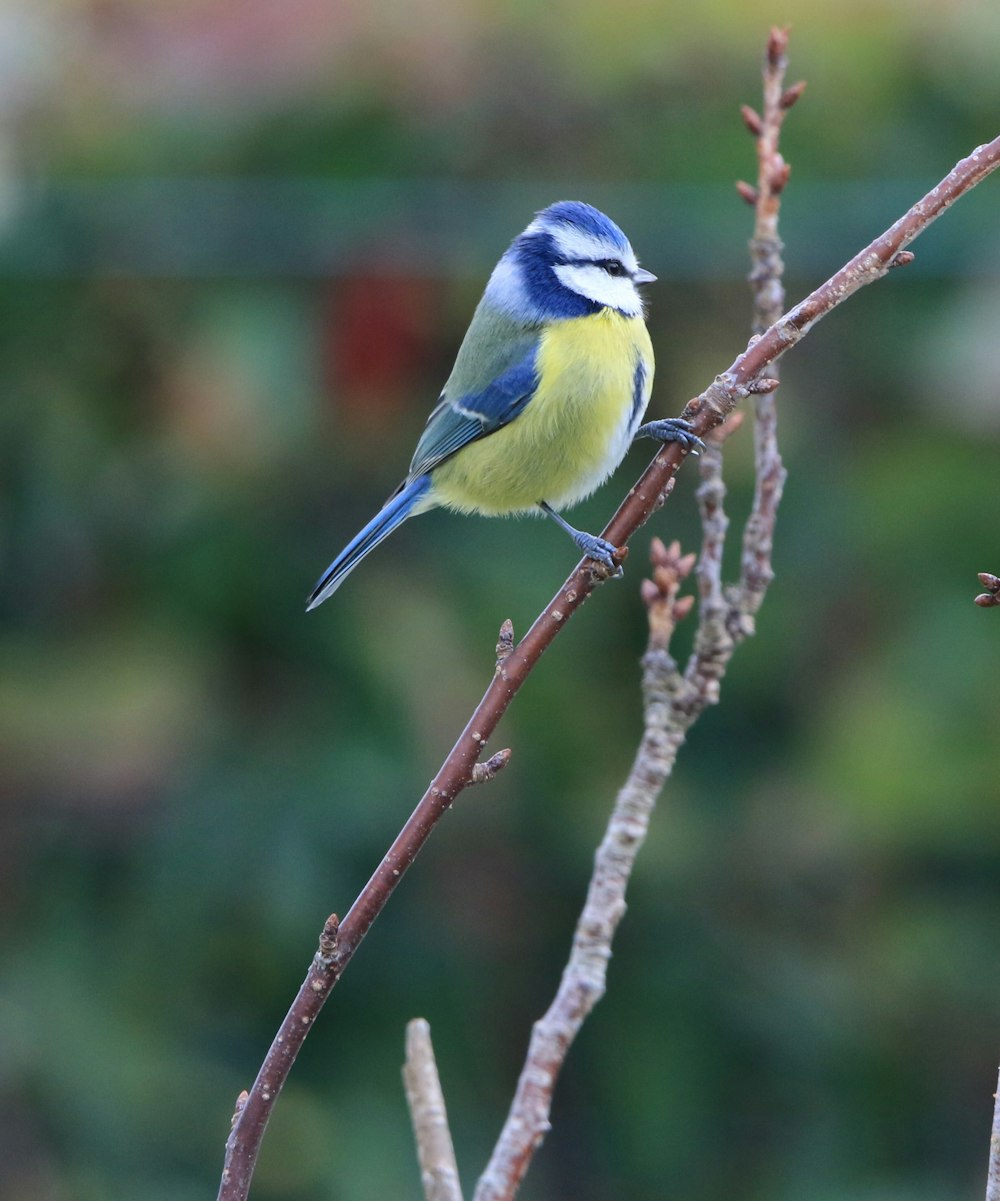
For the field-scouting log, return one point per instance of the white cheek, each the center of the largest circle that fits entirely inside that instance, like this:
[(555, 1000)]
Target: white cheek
[(594, 283)]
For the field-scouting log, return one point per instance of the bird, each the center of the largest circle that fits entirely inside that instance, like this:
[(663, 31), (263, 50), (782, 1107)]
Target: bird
[(547, 393)]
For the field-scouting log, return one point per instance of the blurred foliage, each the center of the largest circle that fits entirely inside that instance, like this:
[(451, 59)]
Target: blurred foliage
[(239, 243)]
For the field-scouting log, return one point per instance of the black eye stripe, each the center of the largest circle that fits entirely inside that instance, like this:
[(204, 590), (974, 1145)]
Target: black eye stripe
[(614, 267)]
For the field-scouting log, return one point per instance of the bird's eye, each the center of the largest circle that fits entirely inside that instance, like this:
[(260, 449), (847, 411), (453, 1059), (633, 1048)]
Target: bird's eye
[(614, 267)]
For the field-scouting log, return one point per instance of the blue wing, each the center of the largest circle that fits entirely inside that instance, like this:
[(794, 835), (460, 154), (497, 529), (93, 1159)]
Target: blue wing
[(467, 413)]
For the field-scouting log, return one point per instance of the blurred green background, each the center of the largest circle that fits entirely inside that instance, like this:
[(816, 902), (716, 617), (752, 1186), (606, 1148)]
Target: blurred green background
[(239, 244)]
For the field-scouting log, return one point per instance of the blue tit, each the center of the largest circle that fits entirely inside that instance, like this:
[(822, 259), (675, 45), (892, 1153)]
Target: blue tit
[(549, 388)]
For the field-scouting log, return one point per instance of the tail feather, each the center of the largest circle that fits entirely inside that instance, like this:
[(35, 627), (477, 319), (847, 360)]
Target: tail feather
[(393, 513)]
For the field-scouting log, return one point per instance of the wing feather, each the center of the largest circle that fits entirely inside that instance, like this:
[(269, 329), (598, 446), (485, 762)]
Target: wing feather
[(494, 378)]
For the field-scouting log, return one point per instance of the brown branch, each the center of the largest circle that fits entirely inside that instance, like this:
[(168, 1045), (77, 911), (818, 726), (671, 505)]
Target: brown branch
[(435, 1150), (706, 411), (991, 596), (253, 1110)]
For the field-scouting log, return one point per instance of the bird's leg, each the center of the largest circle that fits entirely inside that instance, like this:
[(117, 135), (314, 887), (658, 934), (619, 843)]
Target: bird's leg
[(591, 546), (672, 429)]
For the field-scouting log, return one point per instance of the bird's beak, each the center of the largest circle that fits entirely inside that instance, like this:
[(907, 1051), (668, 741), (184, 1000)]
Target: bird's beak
[(642, 276)]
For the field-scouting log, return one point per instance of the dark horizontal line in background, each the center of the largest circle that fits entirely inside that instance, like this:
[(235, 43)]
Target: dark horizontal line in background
[(316, 228)]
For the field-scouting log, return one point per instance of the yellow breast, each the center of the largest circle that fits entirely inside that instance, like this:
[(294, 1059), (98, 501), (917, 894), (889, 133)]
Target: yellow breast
[(573, 432)]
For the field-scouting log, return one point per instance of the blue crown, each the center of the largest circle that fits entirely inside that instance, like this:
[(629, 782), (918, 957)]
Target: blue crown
[(583, 217)]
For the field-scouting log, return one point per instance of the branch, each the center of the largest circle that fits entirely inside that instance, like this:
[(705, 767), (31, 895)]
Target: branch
[(868, 265), (742, 378), (254, 1109), (768, 301), (435, 1150), (583, 980), (993, 1174)]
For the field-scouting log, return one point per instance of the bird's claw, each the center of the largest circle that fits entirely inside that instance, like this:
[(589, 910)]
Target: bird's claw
[(673, 429), (601, 551)]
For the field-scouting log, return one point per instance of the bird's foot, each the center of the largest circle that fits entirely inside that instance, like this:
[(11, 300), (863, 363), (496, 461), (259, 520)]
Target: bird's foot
[(599, 549), (672, 429)]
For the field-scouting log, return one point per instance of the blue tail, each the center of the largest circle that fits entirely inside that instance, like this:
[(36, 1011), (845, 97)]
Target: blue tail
[(394, 512)]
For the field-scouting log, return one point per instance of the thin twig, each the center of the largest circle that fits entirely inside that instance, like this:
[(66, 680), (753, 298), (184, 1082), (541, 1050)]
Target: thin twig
[(583, 979), (768, 292), (727, 615), (993, 1173), (435, 1149), (706, 411)]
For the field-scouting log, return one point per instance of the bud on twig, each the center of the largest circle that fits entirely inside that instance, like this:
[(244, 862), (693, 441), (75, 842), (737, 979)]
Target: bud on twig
[(747, 191), (328, 939), (902, 259), (751, 119), (660, 594), (505, 643), (683, 607), (649, 592), (780, 172), (761, 386), (241, 1102), (777, 45), (991, 596), (481, 772), (665, 578), (790, 95)]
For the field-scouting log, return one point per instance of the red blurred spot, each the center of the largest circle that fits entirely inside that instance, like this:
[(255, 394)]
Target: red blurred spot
[(379, 347)]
